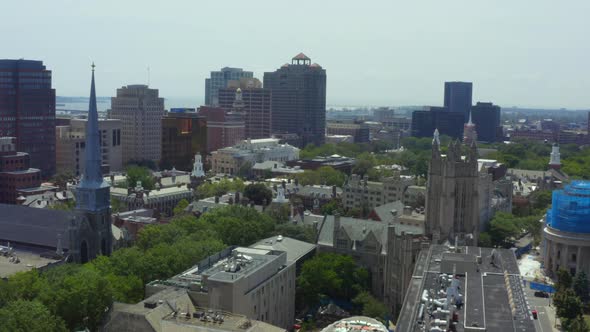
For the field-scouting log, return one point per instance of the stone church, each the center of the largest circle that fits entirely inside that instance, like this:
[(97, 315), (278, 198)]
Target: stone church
[(452, 195), (89, 232)]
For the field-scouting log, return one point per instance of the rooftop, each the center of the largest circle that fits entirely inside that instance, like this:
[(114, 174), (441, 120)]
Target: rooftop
[(198, 319), (356, 323), (480, 287), (295, 249), (27, 260)]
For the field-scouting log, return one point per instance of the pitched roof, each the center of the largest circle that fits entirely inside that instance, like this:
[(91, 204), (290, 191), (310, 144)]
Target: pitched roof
[(37, 227), (301, 56)]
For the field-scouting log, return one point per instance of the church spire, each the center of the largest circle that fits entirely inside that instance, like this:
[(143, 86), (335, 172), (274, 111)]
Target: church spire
[(92, 173)]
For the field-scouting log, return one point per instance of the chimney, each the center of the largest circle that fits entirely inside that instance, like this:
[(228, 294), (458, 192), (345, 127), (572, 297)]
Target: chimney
[(407, 210), (296, 182), (333, 191), (216, 199), (284, 184), (237, 196)]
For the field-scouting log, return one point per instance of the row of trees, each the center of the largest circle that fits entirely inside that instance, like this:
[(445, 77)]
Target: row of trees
[(570, 299)]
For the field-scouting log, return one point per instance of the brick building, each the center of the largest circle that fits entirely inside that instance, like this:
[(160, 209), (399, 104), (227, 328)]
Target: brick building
[(15, 172)]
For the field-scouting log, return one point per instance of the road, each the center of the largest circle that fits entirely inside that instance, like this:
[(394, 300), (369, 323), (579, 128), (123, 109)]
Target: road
[(546, 314)]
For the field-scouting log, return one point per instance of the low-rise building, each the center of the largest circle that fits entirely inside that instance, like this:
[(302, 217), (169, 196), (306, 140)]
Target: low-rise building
[(162, 200), (359, 192), (258, 281), (387, 250), (359, 131), (465, 289), (15, 171), (229, 160), (172, 310), (337, 162), (274, 168)]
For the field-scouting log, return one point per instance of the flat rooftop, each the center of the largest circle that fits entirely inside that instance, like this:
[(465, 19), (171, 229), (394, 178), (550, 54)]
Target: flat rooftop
[(27, 261), (214, 320), (229, 265), (481, 286)]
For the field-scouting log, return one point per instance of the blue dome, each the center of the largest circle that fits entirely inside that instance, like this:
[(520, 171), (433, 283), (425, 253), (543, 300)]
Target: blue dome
[(570, 211)]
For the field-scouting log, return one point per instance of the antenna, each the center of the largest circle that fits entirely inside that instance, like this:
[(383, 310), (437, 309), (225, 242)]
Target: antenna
[(148, 75)]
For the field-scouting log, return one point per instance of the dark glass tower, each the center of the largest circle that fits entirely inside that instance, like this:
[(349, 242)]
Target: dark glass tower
[(299, 100), (458, 97), (27, 111), (486, 117)]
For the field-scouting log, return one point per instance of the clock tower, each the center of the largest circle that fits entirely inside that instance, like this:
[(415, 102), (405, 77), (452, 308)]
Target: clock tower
[(90, 232)]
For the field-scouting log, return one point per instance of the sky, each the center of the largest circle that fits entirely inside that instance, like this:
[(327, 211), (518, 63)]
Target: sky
[(527, 53)]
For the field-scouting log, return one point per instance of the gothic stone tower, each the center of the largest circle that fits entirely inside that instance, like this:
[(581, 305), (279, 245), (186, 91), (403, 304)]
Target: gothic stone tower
[(452, 202), (90, 232)]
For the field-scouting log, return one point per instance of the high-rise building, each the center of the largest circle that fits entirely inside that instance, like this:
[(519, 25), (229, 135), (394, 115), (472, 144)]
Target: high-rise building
[(140, 110), (432, 117), (27, 111), (486, 117), (70, 145), (219, 80), (184, 134), (299, 99), (15, 172), (91, 234), (452, 198), (224, 128), (360, 132), (248, 97), (458, 97)]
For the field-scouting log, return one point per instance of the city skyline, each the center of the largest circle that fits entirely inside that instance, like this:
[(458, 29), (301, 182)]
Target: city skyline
[(390, 54)]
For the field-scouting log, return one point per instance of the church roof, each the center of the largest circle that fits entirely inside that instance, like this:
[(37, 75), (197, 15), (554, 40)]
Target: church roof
[(34, 227)]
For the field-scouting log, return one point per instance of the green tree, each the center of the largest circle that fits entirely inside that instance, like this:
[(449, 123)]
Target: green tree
[(179, 208), (580, 286), (245, 170), (61, 179), (503, 228), (138, 173), (568, 307), (81, 299), (578, 325), (333, 275), (325, 175), (371, 307), (259, 193), (117, 206), (237, 225), (541, 199), (304, 233), (485, 240), (63, 206), (29, 316), (365, 162), (564, 280), (332, 207), (222, 187)]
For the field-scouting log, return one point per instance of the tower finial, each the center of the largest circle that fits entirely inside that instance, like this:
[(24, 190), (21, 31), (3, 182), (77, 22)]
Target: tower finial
[(93, 65)]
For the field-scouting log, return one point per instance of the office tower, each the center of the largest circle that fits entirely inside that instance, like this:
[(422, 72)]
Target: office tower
[(15, 172), (486, 117), (448, 123), (360, 132), (184, 135), (458, 97), (299, 100), (248, 97), (140, 110), (219, 80), (452, 199), (91, 234), (27, 111), (224, 128), (70, 136)]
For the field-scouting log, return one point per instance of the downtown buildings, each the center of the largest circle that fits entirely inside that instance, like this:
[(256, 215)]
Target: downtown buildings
[(70, 145), (140, 110), (458, 97), (27, 111), (247, 97), (299, 100), (15, 173), (219, 80), (184, 134)]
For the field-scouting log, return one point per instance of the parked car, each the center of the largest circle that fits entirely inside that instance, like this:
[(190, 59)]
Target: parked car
[(535, 314), (541, 294)]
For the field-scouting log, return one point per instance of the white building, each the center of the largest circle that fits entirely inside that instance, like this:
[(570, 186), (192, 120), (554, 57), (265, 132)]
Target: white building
[(229, 160), (140, 110)]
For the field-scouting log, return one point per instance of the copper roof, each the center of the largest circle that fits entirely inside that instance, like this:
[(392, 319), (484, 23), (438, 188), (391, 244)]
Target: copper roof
[(301, 56)]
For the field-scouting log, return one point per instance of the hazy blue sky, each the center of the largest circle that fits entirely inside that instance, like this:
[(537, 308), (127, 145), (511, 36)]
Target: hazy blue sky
[(516, 52)]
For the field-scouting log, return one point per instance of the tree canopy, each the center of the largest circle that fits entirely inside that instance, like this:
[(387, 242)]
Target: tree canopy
[(222, 187), (140, 173), (333, 275), (259, 193), (325, 175), (29, 316)]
